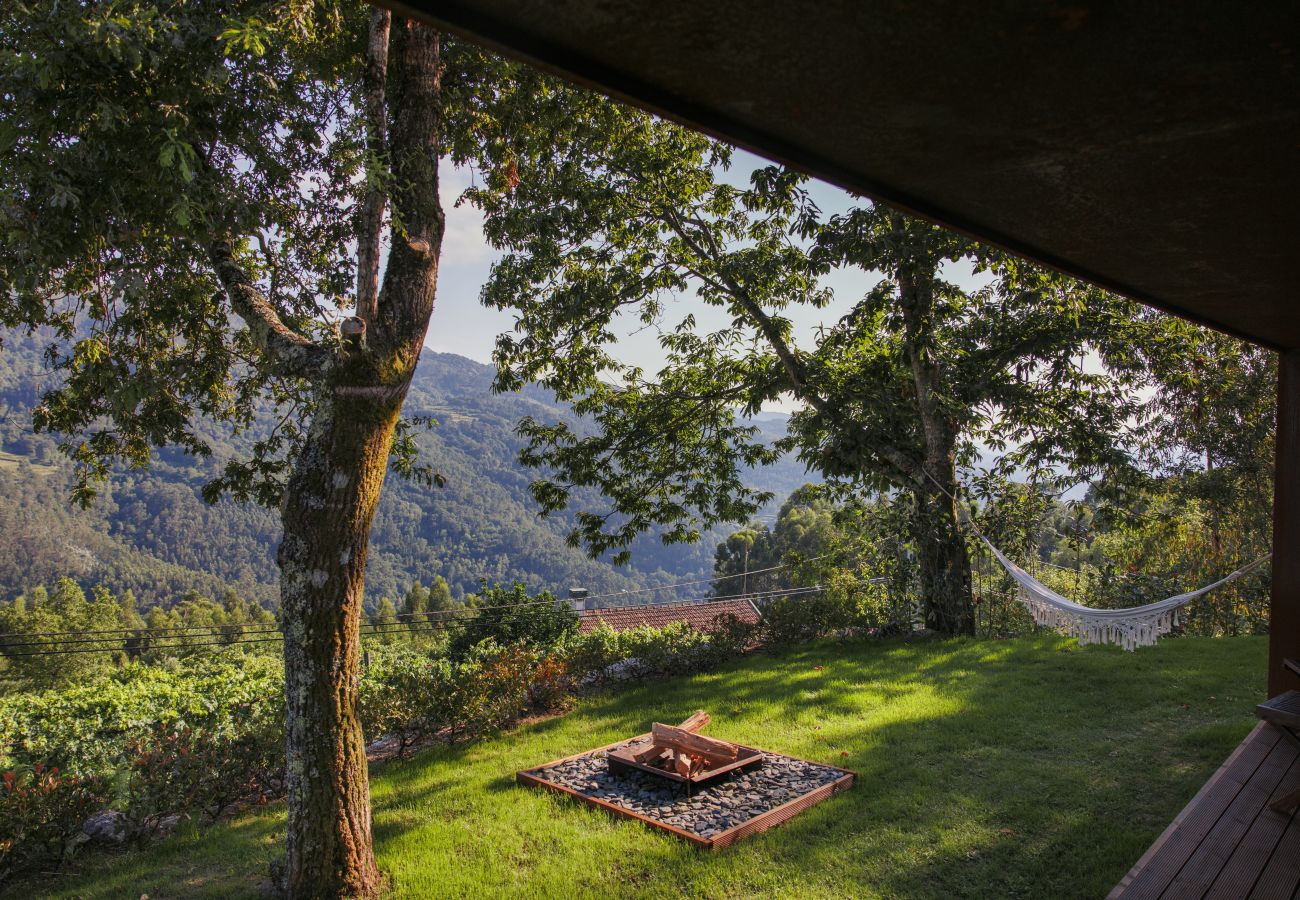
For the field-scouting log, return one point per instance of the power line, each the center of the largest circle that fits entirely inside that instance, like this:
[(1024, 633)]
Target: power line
[(664, 587), (53, 648), (180, 631)]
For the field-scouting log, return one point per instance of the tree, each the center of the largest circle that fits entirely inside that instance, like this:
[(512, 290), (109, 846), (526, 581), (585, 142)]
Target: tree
[(510, 616), (385, 614), (182, 191), (415, 604), (28, 623), (609, 213), (805, 528), (440, 602), (1202, 502)]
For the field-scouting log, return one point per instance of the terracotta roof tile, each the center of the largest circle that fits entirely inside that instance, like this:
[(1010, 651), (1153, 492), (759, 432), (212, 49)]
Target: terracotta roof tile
[(699, 616)]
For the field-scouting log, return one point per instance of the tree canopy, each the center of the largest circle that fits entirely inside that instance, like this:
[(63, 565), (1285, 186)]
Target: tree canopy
[(609, 216)]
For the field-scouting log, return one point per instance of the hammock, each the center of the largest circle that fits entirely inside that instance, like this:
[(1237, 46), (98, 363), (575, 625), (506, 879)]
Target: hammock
[(1138, 626)]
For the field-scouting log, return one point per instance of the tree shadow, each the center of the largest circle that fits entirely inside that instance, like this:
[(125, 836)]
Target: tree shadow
[(1025, 767)]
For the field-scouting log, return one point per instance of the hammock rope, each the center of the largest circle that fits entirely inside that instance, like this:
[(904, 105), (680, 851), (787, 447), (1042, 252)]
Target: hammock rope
[(1130, 628)]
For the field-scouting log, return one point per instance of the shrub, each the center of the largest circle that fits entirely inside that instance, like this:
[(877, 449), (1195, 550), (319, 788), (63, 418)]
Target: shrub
[(605, 654), (551, 688), (207, 770), (674, 648), (511, 617), (732, 636), (406, 695), (88, 729), (591, 656), (42, 810), (492, 687), (414, 697), (846, 606)]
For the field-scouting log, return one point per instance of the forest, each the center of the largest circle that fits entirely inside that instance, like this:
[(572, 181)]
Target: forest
[(150, 532)]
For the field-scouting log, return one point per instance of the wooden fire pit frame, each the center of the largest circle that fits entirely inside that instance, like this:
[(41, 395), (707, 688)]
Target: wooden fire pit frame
[(758, 824)]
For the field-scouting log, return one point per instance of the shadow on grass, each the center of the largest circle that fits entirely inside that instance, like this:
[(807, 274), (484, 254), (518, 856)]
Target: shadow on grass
[(1021, 768), (1016, 768)]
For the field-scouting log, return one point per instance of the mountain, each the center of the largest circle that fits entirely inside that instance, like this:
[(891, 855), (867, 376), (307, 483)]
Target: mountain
[(151, 532)]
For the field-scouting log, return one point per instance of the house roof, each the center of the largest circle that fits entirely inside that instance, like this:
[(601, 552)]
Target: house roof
[(699, 616), (1151, 148)]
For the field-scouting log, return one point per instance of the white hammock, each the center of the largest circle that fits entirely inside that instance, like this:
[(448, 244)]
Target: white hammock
[(1138, 626)]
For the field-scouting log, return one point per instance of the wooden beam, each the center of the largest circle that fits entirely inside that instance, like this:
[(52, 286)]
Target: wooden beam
[(1284, 612)]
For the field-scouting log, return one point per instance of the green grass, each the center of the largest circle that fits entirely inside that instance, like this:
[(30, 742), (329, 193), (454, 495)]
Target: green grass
[(1022, 768)]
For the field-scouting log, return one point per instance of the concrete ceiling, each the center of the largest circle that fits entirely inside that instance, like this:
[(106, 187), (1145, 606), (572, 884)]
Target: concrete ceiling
[(1153, 148)]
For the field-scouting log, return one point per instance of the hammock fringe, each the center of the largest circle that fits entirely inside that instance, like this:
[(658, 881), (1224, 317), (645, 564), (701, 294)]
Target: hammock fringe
[(1139, 626)]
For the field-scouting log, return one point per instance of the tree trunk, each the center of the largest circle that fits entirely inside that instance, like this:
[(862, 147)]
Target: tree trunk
[(330, 501), (329, 505), (944, 562)]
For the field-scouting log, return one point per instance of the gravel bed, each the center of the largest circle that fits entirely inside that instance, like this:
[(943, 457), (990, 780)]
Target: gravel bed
[(707, 811)]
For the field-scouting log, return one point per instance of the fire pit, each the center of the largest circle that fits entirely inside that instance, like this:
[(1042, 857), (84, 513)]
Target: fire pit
[(710, 804), (681, 755)]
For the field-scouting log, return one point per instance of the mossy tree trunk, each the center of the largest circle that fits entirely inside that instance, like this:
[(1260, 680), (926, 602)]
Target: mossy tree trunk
[(943, 560), (330, 498)]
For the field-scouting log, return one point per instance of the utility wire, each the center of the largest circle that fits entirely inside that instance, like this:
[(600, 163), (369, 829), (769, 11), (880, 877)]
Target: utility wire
[(664, 587), (451, 614), (223, 632), (183, 642)]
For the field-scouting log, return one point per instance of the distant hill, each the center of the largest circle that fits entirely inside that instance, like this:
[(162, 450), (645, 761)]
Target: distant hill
[(151, 532)]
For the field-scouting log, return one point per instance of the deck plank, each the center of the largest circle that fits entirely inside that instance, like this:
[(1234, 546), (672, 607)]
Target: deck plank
[(1171, 851), (1251, 856), (1281, 876), (1218, 845)]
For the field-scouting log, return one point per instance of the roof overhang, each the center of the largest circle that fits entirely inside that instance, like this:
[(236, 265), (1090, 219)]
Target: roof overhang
[(1153, 149)]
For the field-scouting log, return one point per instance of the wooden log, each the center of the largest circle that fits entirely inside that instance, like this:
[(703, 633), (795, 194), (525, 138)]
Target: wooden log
[(696, 721), (711, 749), (693, 723)]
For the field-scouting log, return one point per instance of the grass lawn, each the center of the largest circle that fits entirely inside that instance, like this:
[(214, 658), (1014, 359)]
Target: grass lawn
[(1020, 768)]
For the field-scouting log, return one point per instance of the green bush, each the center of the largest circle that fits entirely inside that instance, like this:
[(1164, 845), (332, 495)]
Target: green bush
[(42, 811), (590, 656), (406, 694), (732, 636), (88, 729), (415, 697), (848, 604), (794, 620), (509, 617), (608, 655)]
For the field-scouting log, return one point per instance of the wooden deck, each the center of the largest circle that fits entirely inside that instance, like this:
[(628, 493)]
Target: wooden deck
[(1227, 843)]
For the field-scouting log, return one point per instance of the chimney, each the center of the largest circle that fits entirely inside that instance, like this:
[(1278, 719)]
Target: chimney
[(578, 598)]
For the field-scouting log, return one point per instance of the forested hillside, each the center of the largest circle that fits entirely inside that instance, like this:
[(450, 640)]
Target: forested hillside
[(151, 532)]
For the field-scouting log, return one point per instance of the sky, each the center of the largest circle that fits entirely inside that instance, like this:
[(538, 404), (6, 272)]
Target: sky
[(462, 325)]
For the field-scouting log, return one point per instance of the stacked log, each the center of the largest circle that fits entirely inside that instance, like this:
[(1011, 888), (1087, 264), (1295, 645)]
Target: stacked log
[(683, 749)]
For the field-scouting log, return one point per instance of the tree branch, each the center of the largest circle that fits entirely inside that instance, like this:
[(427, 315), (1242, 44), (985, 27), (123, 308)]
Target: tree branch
[(414, 91), (790, 361), (371, 216), (289, 352)]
